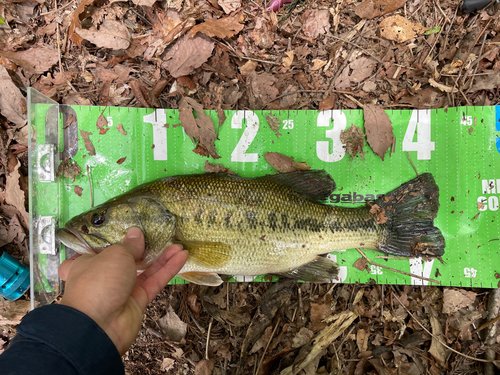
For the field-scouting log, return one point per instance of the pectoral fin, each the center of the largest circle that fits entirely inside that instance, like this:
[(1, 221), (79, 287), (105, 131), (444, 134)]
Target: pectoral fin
[(320, 270), (212, 255), (202, 278)]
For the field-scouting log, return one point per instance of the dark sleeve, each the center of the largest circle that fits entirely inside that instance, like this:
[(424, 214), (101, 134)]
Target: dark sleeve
[(57, 339)]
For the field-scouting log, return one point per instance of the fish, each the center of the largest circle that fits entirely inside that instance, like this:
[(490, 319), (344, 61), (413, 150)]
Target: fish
[(275, 224)]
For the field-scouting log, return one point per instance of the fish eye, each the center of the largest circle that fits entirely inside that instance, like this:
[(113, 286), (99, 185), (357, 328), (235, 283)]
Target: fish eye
[(97, 219)]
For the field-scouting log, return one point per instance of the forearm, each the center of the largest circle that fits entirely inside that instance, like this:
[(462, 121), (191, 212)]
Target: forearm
[(59, 339)]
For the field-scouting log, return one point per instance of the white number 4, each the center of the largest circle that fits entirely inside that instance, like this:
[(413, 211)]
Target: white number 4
[(288, 124), (466, 120), (470, 272), (420, 119)]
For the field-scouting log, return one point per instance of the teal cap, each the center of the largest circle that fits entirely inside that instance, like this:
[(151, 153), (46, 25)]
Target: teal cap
[(14, 277)]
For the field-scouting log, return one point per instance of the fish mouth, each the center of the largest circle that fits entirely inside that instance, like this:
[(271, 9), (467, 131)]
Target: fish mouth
[(74, 240)]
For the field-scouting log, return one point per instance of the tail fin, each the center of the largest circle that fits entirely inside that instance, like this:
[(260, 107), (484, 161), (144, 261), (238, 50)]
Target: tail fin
[(409, 212)]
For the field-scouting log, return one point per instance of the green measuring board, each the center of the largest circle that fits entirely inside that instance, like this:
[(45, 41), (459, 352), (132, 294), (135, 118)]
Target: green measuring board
[(459, 146)]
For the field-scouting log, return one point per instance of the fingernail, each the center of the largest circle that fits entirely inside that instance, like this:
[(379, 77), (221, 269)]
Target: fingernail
[(133, 233)]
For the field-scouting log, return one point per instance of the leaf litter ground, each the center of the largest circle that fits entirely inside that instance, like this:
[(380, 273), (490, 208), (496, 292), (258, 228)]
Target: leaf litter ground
[(231, 54)]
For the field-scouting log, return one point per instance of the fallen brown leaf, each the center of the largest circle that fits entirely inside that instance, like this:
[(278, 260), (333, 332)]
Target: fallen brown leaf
[(14, 195), (102, 124), (400, 29), (121, 160), (361, 264), (111, 34), (200, 128), (78, 190), (379, 213), (75, 22), (229, 5), (288, 60), (221, 28), (216, 168), (204, 367), (69, 169), (370, 9), (378, 128), (188, 54), (274, 122), (456, 299), (248, 68), (12, 103), (140, 93), (11, 312), (284, 163), (88, 143), (315, 22), (36, 60), (437, 350), (318, 64), (354, 140), (119, 127), (172, 326), (70, 120)]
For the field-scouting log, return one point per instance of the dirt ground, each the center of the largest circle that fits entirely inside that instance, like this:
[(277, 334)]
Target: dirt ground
[(233, 54)]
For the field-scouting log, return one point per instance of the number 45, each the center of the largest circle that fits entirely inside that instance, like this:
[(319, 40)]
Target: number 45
[(420, 122)]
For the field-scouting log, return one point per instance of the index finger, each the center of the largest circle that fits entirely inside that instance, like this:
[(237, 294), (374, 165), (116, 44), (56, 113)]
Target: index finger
[(150, 283)]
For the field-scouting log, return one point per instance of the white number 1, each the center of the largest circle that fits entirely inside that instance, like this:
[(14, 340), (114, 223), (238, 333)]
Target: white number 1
[(420, 119)]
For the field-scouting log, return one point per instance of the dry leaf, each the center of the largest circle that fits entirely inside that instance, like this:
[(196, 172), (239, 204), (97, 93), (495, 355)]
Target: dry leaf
[(172, 326), (78, 190), (69, 169), (362, 340), (317, 64), (263, 88), (437, 350), (370, 9), (216, 168), (354, 140), (284, 163), (248, 68), (75, 22), (12, 103), (315, 22), (326, 103), (378, 128), (427, 98), (147, 3), (361, 264), (204, 367), (121, 160), (11, 312), (36, 60), (188, 54), (229, 5), (221, 28), (400, 29), (201, 128), (288, 60), (88, 144), (14, 195), (487, 82), (379, 213), (442, 87), (119, 127), (274, 123), (111, 34), (167, 364), (456, 299), (101, 123), (69, 121)]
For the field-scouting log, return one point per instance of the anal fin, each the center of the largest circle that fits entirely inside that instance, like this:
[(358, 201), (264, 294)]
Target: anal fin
[(202, 278), (320, 270)]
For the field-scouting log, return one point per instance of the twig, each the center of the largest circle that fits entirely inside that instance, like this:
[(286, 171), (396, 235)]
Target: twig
[(90, 187), (411, 161), (202, 330), (57, 9), (357, 46), (439, 340), (392, 258), (267, 345), (485, 325), (208, 337), (354, 100), (477, 65), (395, 270), (253, 59)]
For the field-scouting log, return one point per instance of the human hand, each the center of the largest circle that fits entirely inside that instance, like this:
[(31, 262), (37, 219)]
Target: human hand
[(107, 289)]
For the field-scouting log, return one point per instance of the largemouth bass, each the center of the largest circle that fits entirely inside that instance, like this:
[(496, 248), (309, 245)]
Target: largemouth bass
[(267, 225)]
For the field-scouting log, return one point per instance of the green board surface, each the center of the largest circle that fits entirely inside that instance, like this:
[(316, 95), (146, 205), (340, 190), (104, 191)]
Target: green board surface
[(459, 146)]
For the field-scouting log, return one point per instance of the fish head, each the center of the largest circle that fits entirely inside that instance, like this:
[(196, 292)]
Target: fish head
[(106, 225), (100, 227)]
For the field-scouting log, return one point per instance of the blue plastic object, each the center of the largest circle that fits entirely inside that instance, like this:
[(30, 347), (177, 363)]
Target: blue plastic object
[(14, 277)]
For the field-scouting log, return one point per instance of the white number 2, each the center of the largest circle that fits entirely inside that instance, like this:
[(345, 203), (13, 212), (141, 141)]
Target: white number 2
[(420, 119), (325, 118), (252, 127)]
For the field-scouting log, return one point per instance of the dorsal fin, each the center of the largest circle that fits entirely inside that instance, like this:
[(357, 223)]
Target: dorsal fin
[(316, 185)]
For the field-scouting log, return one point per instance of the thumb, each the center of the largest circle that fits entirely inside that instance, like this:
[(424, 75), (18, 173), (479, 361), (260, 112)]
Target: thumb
[(134, 243)]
